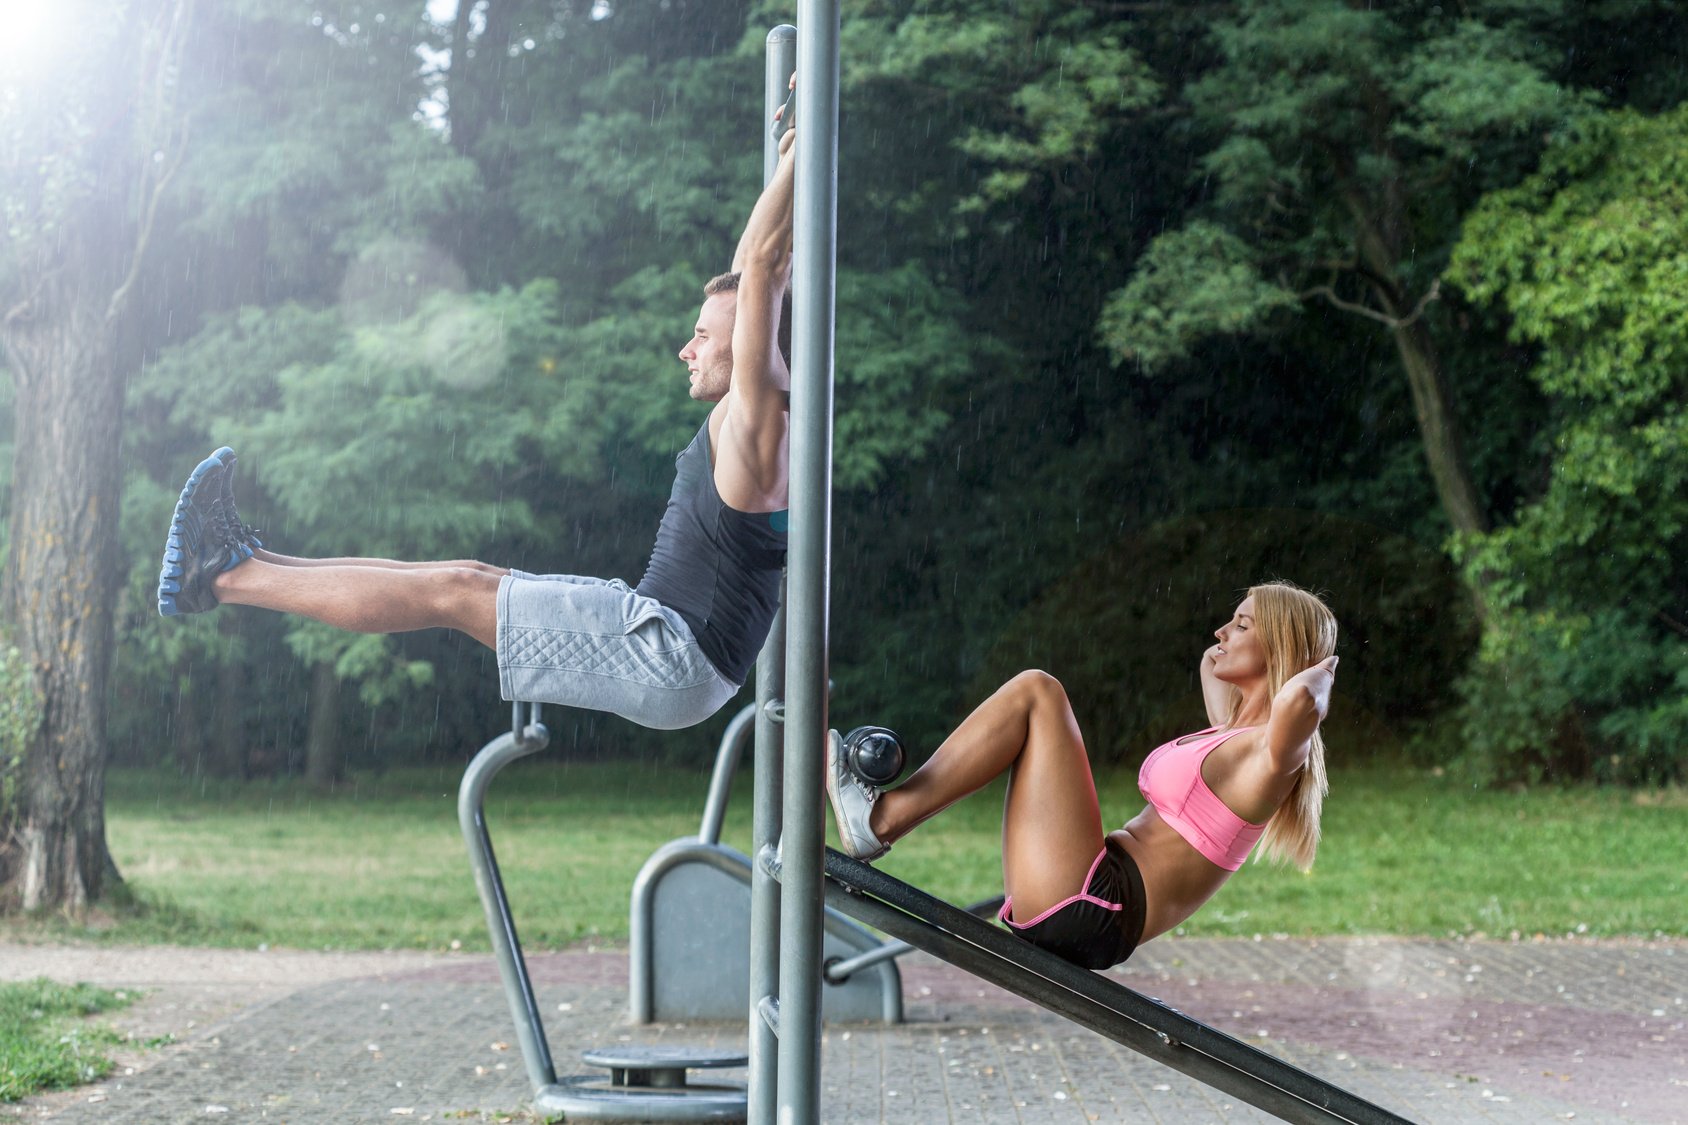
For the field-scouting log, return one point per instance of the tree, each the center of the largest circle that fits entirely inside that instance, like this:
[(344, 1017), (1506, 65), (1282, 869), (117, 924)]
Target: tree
[(1345, 142), (1583, 670), (88, 142)]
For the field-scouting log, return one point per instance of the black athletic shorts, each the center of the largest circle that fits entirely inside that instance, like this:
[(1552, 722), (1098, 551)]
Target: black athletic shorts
[(1097, 928)]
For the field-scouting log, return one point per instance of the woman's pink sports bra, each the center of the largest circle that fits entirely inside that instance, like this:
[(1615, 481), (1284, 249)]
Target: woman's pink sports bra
[(1171, 780)]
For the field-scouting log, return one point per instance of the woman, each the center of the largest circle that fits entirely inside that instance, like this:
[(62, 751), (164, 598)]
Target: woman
[(1257, 774)]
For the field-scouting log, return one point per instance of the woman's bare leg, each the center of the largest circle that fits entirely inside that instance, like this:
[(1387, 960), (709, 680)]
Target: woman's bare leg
[(370, 598), (1051, 824)]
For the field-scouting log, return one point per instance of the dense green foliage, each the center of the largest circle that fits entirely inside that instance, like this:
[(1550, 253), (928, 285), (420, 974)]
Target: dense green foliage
[(1584, 669), (45, 1041), (1138, 304)]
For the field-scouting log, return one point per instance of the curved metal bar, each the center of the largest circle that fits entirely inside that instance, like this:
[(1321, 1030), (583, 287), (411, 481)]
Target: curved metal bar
[(527, 736), (737, 866), (837, 972), (726, 765)]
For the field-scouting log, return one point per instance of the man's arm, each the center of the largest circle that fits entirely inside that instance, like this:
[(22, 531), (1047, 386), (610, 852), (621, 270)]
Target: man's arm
[(750, 465), (785, 143)]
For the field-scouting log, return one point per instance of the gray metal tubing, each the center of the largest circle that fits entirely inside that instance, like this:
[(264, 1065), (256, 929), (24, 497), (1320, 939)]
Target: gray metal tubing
[(642, 927), (528, 736), (1127, 1017), (837, 972), (764, 889), (840, 971), (813, 280), (781, 60), (726, 765)]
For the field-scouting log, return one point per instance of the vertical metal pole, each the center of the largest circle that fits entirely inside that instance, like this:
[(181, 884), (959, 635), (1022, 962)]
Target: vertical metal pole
[(781, 60), (769, 773), (801, 841), (763, 1089)]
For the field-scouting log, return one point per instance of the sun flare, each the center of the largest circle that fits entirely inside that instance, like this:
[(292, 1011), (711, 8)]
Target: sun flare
[(30, 34)]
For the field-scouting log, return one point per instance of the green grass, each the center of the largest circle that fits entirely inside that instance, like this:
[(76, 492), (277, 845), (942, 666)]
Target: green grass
[(46, 1042), (1404, 852), (380, 863)]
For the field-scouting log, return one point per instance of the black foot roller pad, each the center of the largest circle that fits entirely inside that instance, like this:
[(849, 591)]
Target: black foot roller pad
[(648, 1084)]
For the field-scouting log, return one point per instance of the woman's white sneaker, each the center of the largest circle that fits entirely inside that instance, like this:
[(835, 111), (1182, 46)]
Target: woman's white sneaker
[(852, 802)]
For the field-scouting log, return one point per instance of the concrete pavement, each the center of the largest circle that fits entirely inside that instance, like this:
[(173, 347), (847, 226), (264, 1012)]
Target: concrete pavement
[(1439, 1031)]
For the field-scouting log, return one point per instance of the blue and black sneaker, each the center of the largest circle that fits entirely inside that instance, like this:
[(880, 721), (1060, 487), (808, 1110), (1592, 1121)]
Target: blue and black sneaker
[(198, 546), (234, 529)]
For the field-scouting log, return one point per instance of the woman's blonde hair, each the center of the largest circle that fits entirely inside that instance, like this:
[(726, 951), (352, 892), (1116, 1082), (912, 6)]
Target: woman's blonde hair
[(1297, 631)]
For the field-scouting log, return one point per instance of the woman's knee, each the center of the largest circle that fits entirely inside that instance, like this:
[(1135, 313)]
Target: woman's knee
[(1038, 688)]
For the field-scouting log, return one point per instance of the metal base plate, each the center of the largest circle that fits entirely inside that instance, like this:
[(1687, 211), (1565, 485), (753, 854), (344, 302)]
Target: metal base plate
[(629, 1057), (590, 1097)]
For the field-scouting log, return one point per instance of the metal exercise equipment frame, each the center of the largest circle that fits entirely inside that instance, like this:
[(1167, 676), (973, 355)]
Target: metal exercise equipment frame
[(688, 941), (793, 1013), (646, 1083), (527, 735)]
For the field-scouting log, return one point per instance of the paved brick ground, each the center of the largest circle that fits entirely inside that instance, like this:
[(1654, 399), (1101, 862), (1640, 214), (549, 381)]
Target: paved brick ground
[(1438, 1031)]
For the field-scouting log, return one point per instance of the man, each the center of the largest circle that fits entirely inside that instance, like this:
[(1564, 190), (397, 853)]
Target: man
[(667, 654)]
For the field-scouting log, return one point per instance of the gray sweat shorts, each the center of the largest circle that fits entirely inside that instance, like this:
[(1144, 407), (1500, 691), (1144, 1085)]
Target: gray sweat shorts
[(594, 643)]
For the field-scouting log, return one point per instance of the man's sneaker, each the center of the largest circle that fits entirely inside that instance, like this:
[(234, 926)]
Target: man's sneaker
[(234, 529), (852, 802), (197, 548)]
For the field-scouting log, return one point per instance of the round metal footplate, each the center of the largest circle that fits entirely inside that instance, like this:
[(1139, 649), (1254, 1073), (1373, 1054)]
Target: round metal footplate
[(648, 1084), (658, 1066)]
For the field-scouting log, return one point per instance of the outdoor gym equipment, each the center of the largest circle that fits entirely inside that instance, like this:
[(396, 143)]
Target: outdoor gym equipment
[(646, 1083), (689, 930), (873, 754)]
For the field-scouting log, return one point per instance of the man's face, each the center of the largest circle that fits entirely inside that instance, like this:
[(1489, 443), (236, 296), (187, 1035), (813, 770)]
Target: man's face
[(708, 355)]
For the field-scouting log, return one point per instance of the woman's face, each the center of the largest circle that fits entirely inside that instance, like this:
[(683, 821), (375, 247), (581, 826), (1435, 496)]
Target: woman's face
[(1241, 656)]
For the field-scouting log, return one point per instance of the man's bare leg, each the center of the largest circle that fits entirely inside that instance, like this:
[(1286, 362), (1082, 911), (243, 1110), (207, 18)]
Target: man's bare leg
[(370, 598), (266, 555)]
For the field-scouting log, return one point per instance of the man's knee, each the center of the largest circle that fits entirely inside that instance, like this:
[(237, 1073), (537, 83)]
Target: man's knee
[(457, 587)]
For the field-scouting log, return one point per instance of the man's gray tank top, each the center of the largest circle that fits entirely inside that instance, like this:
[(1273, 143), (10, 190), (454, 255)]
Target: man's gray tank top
[(717, 567)]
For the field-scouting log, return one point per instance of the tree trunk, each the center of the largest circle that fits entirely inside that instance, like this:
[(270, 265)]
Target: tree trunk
[(67, 329), (1438, 422), (188, 724), (1438, 428), (322, 742), (228, 756), (61, 585)]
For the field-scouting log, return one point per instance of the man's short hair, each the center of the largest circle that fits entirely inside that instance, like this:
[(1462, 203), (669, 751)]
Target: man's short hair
[(729, 282)]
